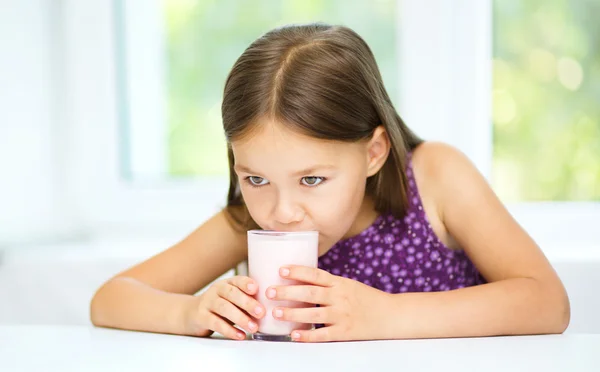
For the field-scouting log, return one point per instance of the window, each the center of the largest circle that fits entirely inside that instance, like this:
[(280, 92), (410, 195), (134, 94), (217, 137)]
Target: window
[(511, 83), (546, 116), (175, 56)]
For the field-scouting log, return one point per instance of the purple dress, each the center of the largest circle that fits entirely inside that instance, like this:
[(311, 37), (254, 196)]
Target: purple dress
[(401, 255)]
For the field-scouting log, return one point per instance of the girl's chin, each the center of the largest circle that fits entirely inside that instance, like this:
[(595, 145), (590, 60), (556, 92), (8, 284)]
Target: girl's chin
[(324, 246)]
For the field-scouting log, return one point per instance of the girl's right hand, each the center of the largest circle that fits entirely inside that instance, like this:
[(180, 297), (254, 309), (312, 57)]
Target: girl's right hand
[(225, 303)]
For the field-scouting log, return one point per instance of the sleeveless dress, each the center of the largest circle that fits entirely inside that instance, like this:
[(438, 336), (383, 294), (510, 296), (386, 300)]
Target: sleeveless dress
[(402, 255)]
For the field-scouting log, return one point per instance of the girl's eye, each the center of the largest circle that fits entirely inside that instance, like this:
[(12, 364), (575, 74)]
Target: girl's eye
[(257, 181), (312, 181)]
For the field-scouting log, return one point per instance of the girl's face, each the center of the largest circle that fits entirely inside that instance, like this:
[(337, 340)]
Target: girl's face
[(292, 182)]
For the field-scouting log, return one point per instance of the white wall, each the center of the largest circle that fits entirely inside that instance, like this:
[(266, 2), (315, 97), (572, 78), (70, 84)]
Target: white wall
[(32, 202)]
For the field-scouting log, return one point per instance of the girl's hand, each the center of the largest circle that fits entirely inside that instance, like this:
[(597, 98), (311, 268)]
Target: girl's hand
[(225, 303), (348, 309)]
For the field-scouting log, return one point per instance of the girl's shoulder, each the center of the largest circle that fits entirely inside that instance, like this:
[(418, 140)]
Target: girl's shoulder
[(438, 163), (441, 171)]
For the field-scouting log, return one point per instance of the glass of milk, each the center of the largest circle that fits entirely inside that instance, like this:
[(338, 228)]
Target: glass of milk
[(268, 251)]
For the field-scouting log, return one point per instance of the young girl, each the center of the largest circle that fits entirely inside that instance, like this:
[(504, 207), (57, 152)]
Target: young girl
[(413, 242)]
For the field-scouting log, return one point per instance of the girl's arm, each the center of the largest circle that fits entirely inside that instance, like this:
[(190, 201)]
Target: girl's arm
[(524, 295), (154, 295)]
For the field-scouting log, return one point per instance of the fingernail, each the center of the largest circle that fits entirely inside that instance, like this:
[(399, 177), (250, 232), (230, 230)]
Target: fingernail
[(252, 325), (258, 310), (271, 293), (295, 335), (278, 313), (241, 336), (251, 287), (285, 271)]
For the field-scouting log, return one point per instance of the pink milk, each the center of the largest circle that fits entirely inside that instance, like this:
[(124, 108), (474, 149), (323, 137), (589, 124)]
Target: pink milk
[(268, 251)]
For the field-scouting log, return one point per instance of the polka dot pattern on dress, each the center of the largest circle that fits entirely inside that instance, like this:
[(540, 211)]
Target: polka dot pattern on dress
[(402, 255)]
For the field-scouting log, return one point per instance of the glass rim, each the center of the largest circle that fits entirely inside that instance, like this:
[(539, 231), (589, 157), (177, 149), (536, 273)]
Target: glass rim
[(282, 233)]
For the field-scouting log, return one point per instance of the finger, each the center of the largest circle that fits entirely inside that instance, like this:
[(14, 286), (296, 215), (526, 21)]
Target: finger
[(244, 283), (303, 293), (307, 275), (310, 315), (242, 300), (316, 335), (219, 325), (229, 311)]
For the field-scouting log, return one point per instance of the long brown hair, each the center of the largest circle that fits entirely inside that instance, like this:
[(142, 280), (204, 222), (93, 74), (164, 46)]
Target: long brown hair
[(321, 81)]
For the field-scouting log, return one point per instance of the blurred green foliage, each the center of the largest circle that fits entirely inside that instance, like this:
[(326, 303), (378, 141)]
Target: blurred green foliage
[(546, 100), (546, 90), (204, 38)]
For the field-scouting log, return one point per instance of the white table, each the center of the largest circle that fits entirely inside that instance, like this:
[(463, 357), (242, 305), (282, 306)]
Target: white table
[(64, 348)]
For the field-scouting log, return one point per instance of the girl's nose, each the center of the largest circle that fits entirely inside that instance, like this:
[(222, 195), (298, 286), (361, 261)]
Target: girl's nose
[(287, 212)]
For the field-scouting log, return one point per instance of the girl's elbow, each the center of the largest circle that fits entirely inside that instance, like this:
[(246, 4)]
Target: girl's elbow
[(96, 308), (95, 311), (554, 306), (564, 313), (561, 316)]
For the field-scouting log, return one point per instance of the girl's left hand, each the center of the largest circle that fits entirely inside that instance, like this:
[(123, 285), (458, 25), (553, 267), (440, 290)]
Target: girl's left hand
[(349, 309)]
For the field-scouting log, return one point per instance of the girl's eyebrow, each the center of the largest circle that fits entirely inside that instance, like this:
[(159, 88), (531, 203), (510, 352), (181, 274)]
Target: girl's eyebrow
[(314, 169), (243, 168), (310, 170)]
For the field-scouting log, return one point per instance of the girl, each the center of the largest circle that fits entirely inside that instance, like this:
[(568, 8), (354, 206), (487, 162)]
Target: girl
[(413, 242)]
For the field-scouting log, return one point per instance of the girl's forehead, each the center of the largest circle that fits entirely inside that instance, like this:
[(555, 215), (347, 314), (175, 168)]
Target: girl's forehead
[(279, 143), (274, 149)]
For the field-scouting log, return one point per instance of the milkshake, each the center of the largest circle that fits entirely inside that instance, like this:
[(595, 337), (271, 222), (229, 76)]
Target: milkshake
[(268, 251)]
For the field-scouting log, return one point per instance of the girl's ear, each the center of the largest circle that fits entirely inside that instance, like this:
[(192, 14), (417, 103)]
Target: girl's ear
[(378, 149)]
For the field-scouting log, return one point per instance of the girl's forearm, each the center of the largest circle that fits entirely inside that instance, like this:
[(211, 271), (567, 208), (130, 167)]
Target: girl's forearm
[(126, 303), (507, 307)]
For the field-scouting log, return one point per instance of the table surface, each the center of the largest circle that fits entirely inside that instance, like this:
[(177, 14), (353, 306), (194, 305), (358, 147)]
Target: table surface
[(72, 348)]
